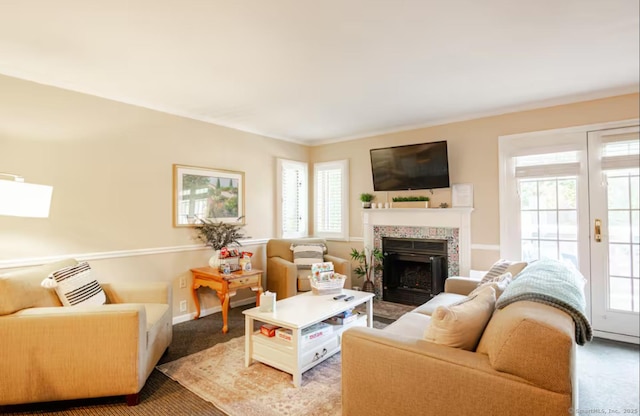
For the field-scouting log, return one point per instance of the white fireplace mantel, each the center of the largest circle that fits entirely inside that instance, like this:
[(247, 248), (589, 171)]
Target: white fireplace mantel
[(459, 218)]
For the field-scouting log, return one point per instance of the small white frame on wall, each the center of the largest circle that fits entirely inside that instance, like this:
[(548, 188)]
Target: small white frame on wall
[(462, 195)]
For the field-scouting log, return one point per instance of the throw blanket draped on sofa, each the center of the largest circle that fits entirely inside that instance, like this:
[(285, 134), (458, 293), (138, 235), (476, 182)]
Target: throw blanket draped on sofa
[(552, 283)]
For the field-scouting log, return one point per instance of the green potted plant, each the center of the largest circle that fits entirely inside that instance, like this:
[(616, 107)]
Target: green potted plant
[(366, 199), (410, 201), (218, 235), (370, 261)]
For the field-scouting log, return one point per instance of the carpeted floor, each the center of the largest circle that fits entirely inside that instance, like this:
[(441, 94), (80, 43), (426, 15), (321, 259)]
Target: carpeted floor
[(608, 372)]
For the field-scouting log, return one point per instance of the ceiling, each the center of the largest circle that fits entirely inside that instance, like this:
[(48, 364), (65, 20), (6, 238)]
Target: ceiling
[(317, 71)]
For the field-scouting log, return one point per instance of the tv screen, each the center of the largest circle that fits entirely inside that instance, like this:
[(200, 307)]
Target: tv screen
[(415, 166)]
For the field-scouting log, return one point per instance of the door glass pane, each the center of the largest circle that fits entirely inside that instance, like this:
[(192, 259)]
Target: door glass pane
[(636, 295), (528, 195), (529, 224), (617, 192), (568, 225), (619, 231), (635, 226), (620, 294), (549, 225), (635, 204), (569, 252), (549, 250), (529, 250), (636, 260), (547, 194), (567, 194), (619, 260)]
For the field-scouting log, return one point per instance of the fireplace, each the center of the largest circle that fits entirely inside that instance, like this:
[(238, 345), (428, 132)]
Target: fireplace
[(414, 269), (452, 225)]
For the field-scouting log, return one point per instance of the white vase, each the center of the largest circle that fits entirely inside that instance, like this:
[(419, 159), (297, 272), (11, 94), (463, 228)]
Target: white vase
[(214, 261)]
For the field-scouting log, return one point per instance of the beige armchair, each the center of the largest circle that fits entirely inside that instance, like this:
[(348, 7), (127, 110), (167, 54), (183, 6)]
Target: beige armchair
[(50, 352), (283, 276)]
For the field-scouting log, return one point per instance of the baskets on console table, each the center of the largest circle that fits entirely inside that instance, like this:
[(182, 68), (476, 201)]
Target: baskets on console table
[(328, 286)]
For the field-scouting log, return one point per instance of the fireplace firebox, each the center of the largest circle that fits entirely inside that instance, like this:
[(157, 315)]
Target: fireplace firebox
[(414, 269)]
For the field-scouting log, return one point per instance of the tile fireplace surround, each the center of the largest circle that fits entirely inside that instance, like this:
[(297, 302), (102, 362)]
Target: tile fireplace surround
[(450, 224)]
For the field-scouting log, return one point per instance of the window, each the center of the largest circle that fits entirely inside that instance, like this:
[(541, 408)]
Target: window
[(331, 204), (293, 196)]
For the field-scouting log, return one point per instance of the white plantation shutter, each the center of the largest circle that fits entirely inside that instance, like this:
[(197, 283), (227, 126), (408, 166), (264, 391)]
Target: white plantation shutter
[(292, 194), (331, 199)]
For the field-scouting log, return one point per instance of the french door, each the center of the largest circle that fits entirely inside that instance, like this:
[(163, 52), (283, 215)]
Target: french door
[(572, 195), (615, 241)]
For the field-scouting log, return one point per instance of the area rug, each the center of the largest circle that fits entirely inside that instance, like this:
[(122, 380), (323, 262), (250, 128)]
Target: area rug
[(388, 310), (218, 375)]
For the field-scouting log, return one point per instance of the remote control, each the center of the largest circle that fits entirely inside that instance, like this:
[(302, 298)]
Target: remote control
[(348, 299), (338, 297)]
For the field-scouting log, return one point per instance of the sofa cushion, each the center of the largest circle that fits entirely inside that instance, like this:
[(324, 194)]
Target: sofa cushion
[(442, 299), (410, 324), (304, 282), (21, 289), (461, 325), (305, 254), (499, 284), (77, 286), (503, 266)]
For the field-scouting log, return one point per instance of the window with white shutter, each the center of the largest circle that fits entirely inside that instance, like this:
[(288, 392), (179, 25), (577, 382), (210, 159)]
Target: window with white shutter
[(292, 194), (331, 207)]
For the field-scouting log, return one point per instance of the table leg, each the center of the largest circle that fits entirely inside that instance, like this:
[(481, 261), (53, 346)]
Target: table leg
[(248, 340), (258, 295), (224, 300), (194, 293), (370, 313), (297, 353)]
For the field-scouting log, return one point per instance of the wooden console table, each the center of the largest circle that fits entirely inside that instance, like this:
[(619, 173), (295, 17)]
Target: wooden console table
[(225, 286)]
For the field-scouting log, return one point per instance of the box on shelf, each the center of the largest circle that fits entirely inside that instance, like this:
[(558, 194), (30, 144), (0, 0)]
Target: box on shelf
[(310, 333), (343, 318), (268, 330)]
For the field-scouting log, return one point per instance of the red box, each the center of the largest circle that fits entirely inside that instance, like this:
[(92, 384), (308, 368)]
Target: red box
[(268, 330)]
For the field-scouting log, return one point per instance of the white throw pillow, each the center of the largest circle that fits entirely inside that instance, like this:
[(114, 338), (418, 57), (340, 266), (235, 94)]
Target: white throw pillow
[(75, 285), (461, 325), (305, 254)]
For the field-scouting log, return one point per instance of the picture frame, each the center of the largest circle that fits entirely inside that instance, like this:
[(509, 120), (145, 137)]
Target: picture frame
[(207, 193), (462, 195)]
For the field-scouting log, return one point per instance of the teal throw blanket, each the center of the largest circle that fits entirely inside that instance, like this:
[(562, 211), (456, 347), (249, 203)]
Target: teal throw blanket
[(552, 283)]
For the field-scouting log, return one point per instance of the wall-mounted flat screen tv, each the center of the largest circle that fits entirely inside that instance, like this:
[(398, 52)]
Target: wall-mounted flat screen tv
[(415, 166)]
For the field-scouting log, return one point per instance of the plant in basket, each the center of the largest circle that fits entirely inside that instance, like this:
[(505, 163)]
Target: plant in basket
[(219, 235), (370, 261)]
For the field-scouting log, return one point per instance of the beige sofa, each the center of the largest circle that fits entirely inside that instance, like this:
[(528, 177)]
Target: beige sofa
[(49, 352), (283, 276), (523, 364)]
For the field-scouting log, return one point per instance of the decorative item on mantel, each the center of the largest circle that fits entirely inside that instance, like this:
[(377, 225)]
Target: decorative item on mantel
[(220, 235), (366, 200), (370, 262), (410, 202)]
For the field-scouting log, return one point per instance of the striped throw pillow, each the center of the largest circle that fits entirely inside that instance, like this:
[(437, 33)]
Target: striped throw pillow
[(76, 286), (304, 255), (501, 267)]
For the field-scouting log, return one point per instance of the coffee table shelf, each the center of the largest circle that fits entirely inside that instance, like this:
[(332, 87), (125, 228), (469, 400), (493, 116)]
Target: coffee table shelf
[(296, 313)]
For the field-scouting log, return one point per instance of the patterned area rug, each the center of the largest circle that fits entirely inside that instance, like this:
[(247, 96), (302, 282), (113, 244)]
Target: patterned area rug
[(388, 310), (219, 376)]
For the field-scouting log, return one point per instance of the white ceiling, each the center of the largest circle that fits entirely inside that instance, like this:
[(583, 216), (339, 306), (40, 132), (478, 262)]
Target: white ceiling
[(316, 71)]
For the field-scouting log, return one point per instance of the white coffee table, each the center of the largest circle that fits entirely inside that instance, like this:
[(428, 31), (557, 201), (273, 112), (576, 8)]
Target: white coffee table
[(296, 313)]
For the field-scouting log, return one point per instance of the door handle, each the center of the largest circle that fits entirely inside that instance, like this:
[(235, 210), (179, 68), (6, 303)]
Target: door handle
[(598, 233)]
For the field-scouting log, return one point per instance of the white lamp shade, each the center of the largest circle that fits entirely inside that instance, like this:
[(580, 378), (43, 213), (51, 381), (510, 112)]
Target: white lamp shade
[(21, 199)]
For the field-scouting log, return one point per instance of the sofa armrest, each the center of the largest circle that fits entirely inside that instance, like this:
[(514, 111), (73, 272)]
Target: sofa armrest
[(66, 346), (282, 277), (137, 292), (341, 266), (381, 370), (461, 285)]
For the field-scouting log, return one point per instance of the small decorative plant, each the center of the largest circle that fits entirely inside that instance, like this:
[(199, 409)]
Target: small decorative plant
[(218, 235), (371, 260), (366, 199), (410, 198)]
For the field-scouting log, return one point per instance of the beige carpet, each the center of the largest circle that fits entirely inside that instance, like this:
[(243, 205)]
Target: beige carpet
[(219, 376)]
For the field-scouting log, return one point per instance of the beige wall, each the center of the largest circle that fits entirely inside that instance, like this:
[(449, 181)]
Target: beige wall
[(111, 168), (473, 158)]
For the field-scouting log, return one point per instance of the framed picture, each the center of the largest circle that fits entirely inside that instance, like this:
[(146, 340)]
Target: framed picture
[(204, 193), (462, 195)]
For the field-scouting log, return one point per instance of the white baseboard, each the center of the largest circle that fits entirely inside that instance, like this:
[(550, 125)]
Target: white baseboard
[(616, 337), (205, 312)]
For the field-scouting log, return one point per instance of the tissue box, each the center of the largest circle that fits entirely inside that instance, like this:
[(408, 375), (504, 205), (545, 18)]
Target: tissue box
[(268, 302)]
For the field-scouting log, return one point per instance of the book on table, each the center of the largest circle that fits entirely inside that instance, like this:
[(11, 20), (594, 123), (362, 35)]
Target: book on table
[(309, 333)]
